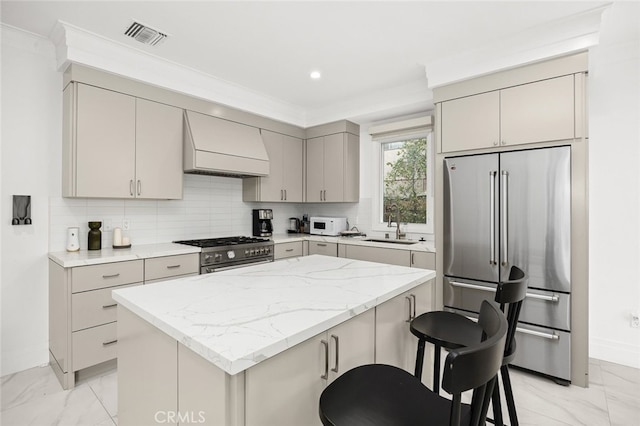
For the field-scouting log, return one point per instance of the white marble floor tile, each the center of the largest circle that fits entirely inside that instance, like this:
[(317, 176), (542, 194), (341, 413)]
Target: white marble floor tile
[(27, 386), (78, 406), (106, 389)]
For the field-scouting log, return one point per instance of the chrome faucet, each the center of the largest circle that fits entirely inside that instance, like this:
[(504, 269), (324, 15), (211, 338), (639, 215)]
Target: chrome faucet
[(399, 235)]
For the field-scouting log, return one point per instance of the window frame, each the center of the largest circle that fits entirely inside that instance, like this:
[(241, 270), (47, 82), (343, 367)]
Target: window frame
[(378, 223)]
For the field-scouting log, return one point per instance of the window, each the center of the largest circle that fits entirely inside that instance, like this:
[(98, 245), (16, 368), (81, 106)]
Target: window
[(404, 176)]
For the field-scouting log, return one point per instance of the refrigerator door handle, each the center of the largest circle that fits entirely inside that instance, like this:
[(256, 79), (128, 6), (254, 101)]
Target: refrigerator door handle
[(504, 249), (492, 217)]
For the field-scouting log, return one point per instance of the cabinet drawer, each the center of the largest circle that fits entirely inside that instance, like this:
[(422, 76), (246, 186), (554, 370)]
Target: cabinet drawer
[(327, 249), (94, 345), (380, 255), (284, 250), (171, 266), (93, 277), (91, 308)]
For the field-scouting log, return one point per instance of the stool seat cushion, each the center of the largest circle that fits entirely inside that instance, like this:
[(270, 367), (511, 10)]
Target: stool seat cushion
[(379, 394), (446, 329)]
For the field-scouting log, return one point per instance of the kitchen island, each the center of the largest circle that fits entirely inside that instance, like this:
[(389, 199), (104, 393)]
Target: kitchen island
[(256, 345)]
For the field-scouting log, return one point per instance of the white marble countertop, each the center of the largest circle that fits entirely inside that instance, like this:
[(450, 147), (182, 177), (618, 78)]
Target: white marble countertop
[(68, 259), (237, 318), (425, 246)]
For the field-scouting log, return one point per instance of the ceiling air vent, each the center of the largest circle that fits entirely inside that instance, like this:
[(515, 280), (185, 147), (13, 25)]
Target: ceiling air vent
[(144, 34)]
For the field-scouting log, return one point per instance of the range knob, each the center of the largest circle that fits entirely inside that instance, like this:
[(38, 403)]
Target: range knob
[(231, 254), (217, 257)]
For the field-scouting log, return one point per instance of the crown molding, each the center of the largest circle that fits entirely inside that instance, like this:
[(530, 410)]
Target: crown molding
[(553, 39), (76, 45)]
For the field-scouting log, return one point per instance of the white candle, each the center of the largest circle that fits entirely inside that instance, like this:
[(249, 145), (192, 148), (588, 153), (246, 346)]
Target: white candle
[(126, 241), (117, 236)]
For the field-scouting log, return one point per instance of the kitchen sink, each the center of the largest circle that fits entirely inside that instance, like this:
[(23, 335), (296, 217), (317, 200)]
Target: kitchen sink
[(390, 241)]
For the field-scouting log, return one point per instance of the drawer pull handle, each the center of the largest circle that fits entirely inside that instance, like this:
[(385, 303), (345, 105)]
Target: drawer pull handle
[(111, 342), (109, 306), (173, 266), (553, 298), (335, 338), (552, 336), (111, 276), (321, 245), (289, 250), (324, 343)]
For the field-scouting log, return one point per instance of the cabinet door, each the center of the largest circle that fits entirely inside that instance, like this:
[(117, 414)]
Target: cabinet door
[(292, 169), (334, 156), (395, 345), (291, 379), (105, 143), (538, 112), (351, 344), (315, 169), (424, 260), (471, 123), (284, 250), (271, 186), (378, 254), (158, 154), (326, 249)]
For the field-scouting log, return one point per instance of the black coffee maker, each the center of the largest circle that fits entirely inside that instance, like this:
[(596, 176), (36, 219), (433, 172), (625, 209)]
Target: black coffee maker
[(262, 222)]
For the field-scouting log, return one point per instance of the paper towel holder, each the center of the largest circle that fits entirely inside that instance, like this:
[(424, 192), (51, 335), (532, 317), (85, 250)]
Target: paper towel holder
[(21, 210)]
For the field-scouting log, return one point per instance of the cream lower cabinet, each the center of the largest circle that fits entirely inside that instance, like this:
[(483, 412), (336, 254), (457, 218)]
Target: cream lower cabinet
[(378, 254), (285, 250), (295, 378), (397, 345), (326, 249), (168, 267), (284, 183), (82, 315), (423, 259), (119, 146)]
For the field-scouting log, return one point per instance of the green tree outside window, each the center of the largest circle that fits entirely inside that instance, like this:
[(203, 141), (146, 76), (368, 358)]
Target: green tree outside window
[(405, 180)]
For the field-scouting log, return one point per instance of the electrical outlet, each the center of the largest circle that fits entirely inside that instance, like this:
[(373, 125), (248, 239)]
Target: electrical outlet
[(635, 320), (125, 224)]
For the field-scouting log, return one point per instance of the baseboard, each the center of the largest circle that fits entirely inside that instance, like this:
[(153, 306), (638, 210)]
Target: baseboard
[(614, 351)]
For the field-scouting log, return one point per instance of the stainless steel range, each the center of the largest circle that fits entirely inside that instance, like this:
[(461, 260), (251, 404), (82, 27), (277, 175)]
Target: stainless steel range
[(219, 254)]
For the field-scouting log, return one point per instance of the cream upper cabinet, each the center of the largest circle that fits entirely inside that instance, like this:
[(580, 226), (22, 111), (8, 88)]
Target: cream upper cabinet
[(537, 112), (118, 146), (530, 113), (333, 168), (471, 123), (284, 182)]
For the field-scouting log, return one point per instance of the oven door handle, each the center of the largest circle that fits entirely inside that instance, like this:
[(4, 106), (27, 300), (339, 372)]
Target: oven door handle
[(242, 265)]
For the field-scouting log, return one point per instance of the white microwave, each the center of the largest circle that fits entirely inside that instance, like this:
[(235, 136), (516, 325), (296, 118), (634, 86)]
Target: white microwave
[(327, 225)]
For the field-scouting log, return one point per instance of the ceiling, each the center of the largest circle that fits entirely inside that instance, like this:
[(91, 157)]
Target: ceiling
[(269, 48)]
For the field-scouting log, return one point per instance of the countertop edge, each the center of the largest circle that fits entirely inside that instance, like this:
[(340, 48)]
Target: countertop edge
[(109, 255)]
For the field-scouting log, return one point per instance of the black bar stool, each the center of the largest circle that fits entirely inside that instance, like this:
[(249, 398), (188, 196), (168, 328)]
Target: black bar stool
[(449, 330), (378, 394)]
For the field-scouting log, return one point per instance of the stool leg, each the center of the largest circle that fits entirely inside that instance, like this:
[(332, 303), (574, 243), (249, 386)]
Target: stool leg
[(508, 391), (497, 406), (436, 368), (419, 359)]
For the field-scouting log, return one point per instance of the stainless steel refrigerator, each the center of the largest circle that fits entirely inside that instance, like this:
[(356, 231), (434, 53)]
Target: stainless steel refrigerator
[(513, 208)]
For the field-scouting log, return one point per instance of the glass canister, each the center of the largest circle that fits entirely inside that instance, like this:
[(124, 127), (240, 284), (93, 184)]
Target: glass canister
[(95, 236)]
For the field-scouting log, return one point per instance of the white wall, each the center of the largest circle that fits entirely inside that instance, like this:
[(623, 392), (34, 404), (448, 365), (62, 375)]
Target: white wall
[(614, 186), (31, 160)]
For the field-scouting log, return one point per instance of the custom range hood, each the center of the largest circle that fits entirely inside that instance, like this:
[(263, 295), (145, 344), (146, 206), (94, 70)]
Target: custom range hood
[(215, 146)]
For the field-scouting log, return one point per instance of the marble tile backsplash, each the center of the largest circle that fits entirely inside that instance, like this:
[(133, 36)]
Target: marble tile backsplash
[(212, 206)]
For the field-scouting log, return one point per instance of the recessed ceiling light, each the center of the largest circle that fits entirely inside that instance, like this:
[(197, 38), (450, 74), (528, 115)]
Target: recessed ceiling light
[(315, 75)]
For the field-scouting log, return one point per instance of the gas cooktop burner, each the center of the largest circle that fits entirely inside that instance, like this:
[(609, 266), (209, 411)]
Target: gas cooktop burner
[(224, 241)]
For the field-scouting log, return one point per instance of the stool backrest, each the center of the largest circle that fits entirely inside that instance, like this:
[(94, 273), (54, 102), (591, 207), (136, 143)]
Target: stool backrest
[(476, 366), (510, 294)]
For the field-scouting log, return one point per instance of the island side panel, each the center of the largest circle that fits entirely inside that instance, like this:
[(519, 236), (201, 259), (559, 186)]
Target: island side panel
[(147, 373), (207, 395)]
